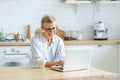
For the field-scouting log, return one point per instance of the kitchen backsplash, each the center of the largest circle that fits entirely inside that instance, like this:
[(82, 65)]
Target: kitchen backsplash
[(15, 15)]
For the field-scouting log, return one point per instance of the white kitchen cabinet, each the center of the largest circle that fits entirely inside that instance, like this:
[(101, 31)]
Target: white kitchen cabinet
[(104, 57), (119, 60), (15, 49), (15, 54)]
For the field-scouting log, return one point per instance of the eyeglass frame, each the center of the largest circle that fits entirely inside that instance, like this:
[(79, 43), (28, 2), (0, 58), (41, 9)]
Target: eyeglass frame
[(50, 29)]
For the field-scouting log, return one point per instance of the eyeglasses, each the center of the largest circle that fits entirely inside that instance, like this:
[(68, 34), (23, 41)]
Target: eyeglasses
[(51, 29)]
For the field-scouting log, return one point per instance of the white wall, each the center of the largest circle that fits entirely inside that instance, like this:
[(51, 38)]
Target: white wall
[(15, 15)]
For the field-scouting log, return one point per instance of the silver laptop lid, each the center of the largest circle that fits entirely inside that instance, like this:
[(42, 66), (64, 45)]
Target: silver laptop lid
[(77, 58)]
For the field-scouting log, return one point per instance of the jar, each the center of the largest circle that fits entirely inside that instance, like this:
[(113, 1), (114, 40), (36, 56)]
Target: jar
[(18, 36), (67, 35), (74, 34), (79, 35)]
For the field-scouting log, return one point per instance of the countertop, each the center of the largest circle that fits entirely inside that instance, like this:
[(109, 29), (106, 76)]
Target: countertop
[(34, 73), (86, 42), (14, 43), (70, 42)]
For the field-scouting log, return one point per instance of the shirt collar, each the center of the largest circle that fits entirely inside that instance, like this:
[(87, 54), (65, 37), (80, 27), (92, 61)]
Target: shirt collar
[(44, 40)]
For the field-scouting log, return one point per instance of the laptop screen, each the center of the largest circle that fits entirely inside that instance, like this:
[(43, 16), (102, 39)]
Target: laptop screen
[(77, 58)]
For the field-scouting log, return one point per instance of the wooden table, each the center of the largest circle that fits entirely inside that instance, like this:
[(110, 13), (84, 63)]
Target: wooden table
[(34, 73)]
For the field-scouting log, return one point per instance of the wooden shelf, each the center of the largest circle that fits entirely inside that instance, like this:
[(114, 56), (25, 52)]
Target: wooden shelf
[(88, 2)]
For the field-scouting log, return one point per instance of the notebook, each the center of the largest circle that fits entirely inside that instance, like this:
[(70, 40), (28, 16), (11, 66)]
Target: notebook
[(77, 58)]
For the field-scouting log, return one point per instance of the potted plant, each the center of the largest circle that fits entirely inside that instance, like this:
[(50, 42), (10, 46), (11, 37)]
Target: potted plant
[(96, 4), (96, 8)]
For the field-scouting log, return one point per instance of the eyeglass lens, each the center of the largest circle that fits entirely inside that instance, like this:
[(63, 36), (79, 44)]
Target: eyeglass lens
[(50, 29)]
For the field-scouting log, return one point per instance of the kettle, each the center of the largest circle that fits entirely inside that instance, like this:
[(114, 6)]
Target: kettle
[(2, 35)]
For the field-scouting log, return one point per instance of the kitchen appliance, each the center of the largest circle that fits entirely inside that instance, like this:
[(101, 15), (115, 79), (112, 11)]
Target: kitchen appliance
[(11, 56), (100, 31), (79, 57), (2, 35), (11, 60)]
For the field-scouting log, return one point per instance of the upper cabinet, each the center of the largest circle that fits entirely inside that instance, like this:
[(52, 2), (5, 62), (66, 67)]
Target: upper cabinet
[(88, 2)]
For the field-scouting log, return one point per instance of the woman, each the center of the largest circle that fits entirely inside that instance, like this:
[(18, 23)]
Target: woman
[(47, 48)]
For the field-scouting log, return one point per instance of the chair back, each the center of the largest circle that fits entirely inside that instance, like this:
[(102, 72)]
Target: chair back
[(59, 32)]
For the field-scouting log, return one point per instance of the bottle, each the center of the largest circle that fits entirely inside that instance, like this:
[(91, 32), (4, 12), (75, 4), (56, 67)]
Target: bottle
[(28, 32)]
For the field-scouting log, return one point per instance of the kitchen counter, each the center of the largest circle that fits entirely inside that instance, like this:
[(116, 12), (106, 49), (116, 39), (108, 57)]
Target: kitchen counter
[(14, 43), (34, 73), (70, 42), (87, 42)]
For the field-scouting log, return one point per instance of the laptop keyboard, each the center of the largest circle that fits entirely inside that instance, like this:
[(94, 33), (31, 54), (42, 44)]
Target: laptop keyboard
[(61, 67), (57, 68)]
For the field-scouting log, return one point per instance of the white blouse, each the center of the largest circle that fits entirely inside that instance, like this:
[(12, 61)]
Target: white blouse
[(43, 52)]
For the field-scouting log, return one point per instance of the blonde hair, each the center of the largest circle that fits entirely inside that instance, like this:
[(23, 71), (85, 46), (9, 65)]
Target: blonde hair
[(47, 19)]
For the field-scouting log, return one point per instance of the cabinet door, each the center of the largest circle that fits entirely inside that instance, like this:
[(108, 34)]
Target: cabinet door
[(105, 57), (119, 60), (14, 49), (18, 50)]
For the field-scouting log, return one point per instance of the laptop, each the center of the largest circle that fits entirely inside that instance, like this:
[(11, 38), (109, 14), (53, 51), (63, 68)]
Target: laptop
[(77, 58)]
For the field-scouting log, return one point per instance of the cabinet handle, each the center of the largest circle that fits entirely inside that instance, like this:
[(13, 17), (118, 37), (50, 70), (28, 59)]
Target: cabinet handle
[(18, 51), (5, 51), (13, 50), (99, 45)]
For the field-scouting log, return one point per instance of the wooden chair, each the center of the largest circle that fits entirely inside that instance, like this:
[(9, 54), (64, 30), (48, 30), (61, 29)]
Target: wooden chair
[(59, 32)]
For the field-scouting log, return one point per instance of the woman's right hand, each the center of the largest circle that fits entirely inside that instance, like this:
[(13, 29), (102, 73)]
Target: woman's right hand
[(59, 63)]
